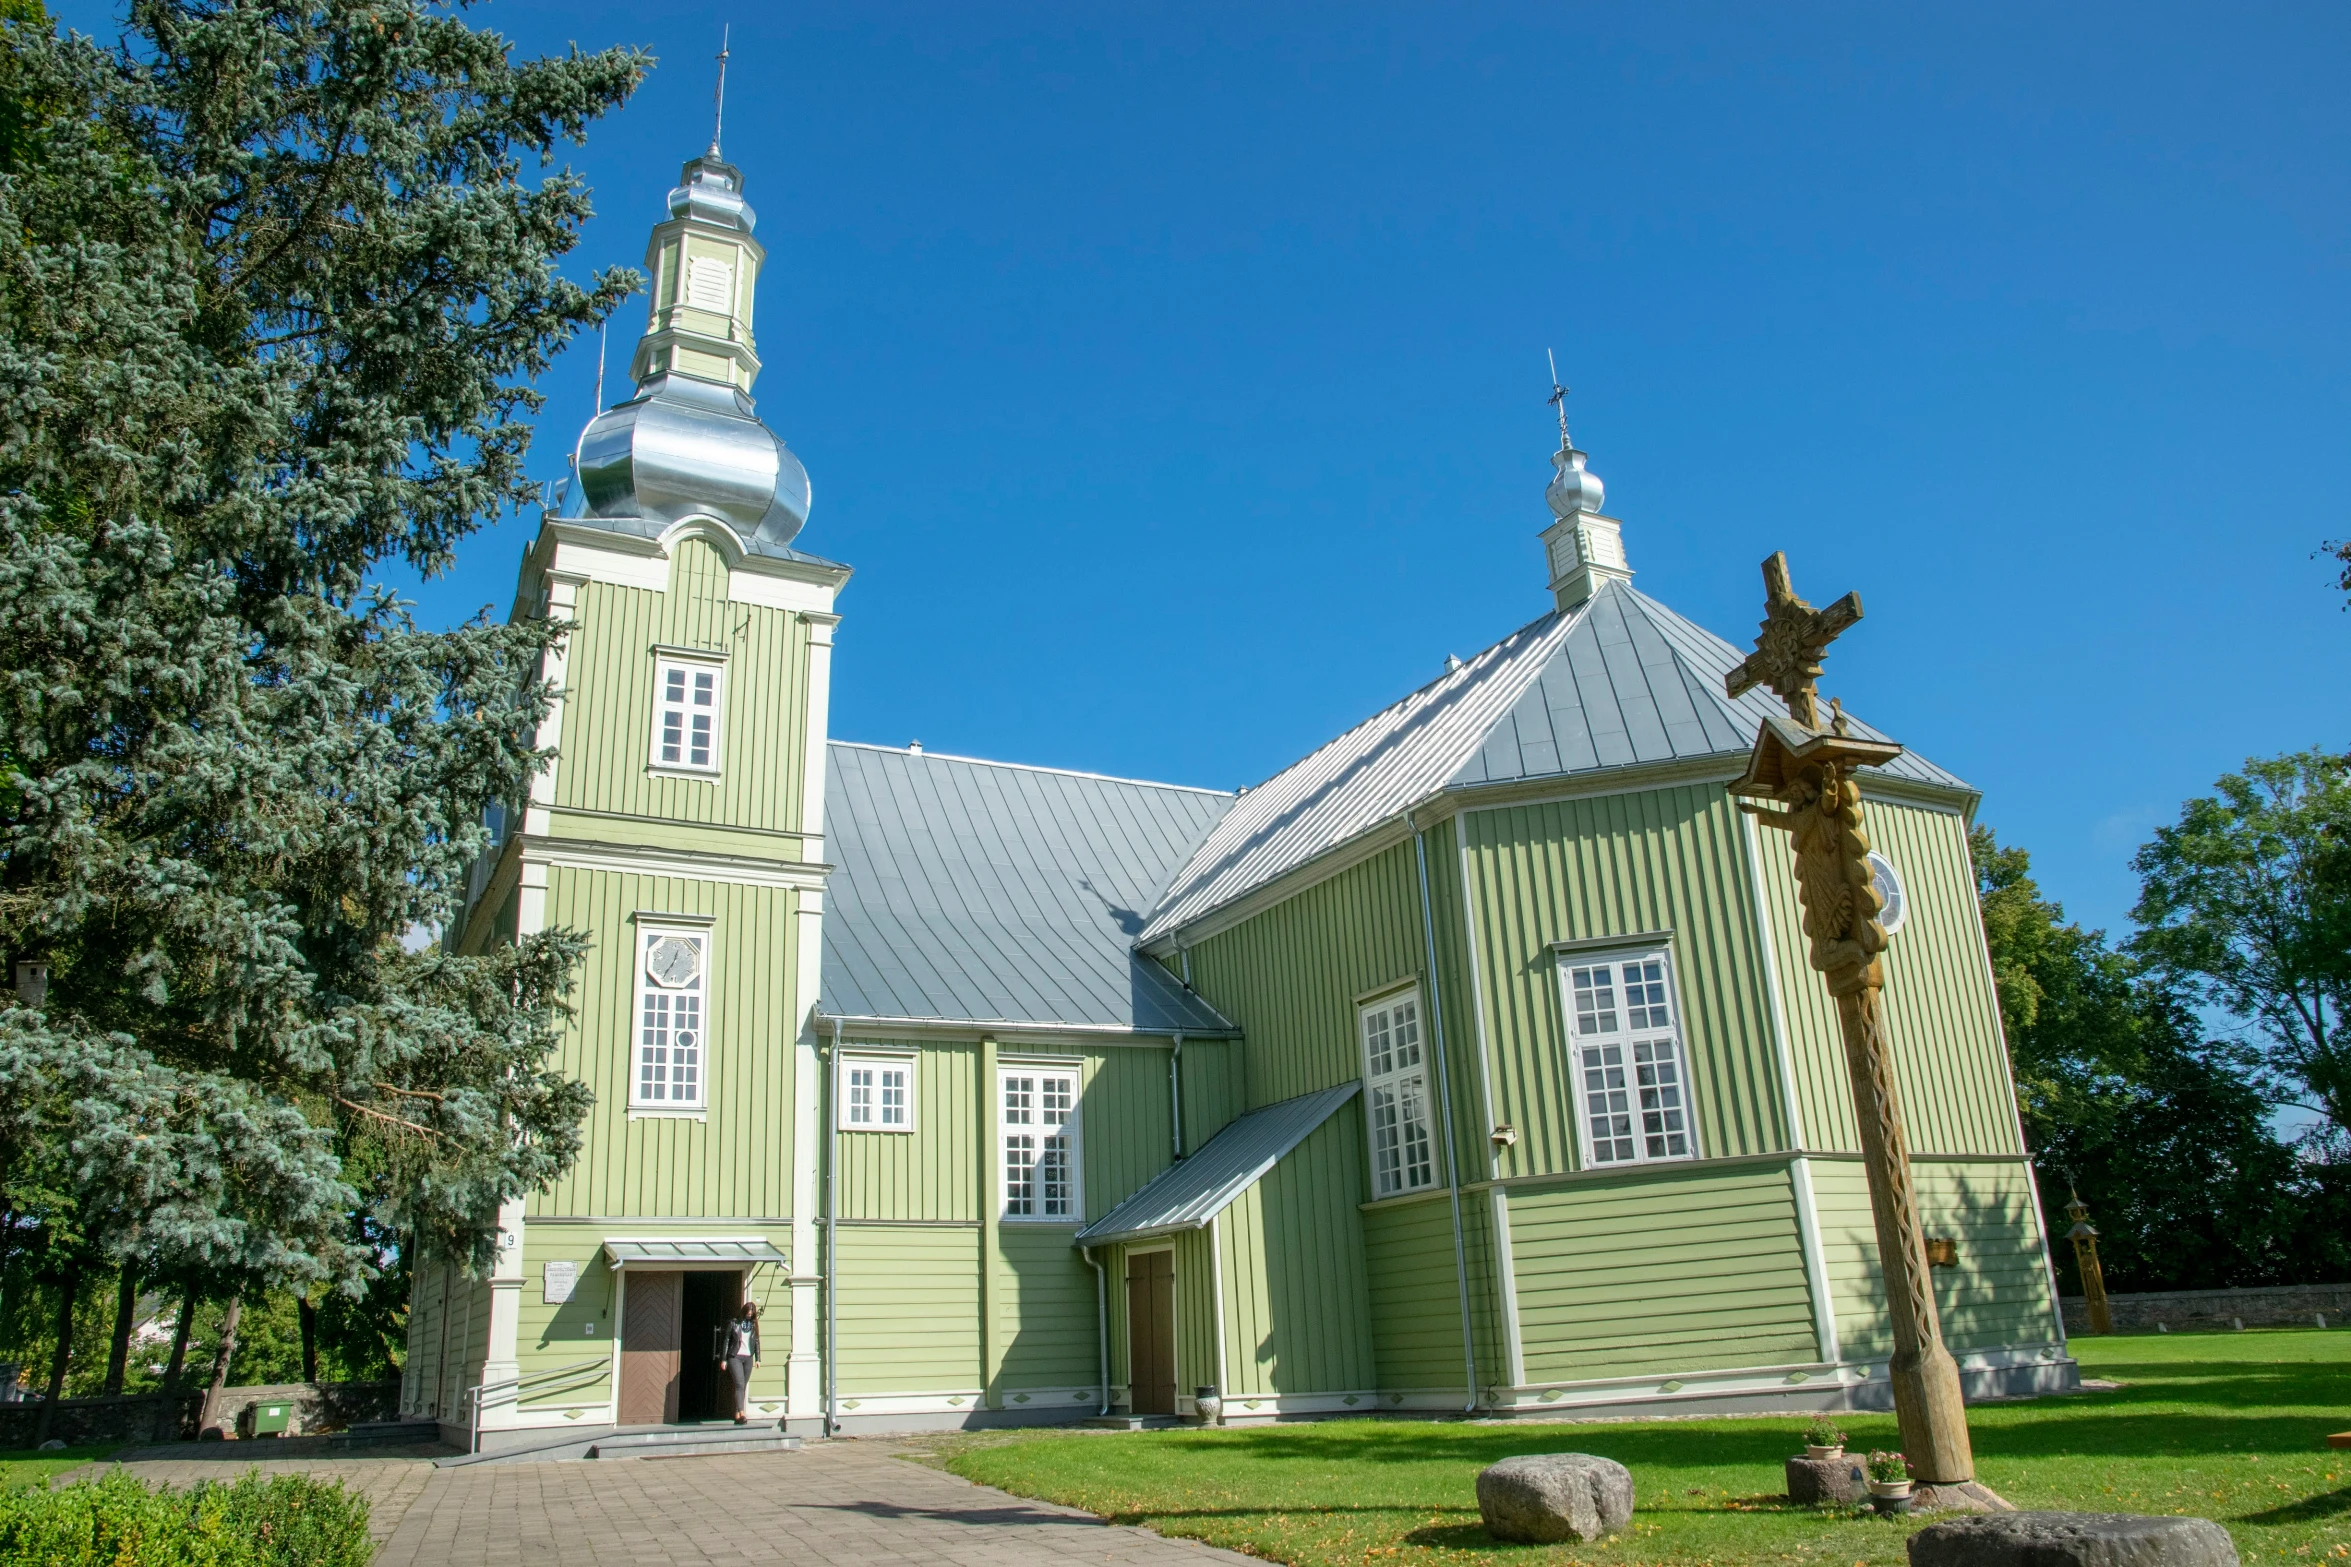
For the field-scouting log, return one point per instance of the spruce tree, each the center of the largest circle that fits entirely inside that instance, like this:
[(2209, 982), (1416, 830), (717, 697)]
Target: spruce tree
[(273, 290)]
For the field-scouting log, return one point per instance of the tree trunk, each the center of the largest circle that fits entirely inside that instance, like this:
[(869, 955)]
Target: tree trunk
[(71, 1288), (309, 1315), (220, 1364), (167, 1424), (126, 1311)]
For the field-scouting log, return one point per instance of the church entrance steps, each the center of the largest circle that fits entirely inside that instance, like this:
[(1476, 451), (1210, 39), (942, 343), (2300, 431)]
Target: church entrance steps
[(609, 1443)]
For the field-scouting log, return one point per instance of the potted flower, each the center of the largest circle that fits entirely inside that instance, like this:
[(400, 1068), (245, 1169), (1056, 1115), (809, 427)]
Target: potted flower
[(1889, 1483), (1822, 1439)]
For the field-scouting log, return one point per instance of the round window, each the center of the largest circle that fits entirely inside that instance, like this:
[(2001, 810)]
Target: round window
[(1893, 902)]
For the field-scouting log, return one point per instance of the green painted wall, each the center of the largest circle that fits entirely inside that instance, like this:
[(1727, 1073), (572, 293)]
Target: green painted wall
[(1998, 1296), (1045, 1313), (1297, 1290), (1613, 865), (1415, 1302), (934, 1171), (909, 1309), (1938, 996), (1672, 1269), (737, 1163), (608, 717)]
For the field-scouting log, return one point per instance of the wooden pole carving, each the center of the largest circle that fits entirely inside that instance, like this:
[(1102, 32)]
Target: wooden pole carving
[(1810, 773)]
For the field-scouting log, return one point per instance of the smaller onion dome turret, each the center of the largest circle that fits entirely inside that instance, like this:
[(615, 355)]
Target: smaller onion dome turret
[(1583, 548), (689, 443)]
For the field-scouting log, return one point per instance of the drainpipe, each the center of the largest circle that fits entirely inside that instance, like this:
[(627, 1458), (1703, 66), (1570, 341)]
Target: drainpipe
[(1175, 1094), (832, 1239), (1101, 1322), (1428, 926)]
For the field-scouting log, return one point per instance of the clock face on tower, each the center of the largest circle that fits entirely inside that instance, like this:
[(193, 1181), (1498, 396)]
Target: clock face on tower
[(674, 962)]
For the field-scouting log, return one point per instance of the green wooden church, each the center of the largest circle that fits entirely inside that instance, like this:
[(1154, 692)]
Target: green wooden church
[(1472, 1063)]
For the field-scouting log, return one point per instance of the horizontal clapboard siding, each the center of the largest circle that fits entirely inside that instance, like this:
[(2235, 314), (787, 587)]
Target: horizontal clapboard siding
[(909, 1312), (1671, 1271), (1997, 1296), (1044, 1305), (1415, 1296)]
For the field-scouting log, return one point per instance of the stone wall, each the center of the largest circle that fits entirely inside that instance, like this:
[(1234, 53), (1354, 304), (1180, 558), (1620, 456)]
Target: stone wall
[(2187, 1311), (133, 1417)]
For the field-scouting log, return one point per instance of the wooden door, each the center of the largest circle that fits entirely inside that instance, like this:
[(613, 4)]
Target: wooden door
[(649, 1349), (1151, 1369)]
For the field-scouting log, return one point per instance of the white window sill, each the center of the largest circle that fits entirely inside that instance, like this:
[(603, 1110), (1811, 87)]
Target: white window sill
[(699, 774), (668, 1113), (889, 1131)]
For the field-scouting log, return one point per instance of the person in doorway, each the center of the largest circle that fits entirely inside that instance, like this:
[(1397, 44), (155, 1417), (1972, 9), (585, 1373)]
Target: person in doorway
[(742, 1353)]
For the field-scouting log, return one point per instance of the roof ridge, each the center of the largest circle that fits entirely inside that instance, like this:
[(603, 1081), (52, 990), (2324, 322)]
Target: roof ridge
[(1031, 767)]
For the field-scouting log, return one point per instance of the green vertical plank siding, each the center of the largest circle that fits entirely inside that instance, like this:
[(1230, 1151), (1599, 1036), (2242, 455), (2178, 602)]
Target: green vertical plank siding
[(1940, 1014), (1998, 1295), (1195, 1327), (1125, 1125), (1297, 1289), (1620, 865), (1046, 1323), (737, 1163), (1415, 1300), (608, 716), (909, 1309), (932, 1172), (1671, 1270)]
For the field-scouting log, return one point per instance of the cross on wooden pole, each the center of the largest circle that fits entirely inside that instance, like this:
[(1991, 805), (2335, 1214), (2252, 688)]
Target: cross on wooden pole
[(1811, 775)]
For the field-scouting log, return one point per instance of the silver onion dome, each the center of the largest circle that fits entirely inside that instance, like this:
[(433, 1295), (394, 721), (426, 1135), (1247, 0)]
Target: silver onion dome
[(1573, 488), (685, 447)]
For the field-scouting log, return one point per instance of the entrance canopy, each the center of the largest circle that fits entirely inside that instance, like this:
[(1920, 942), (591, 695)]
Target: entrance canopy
[(723, 1252)]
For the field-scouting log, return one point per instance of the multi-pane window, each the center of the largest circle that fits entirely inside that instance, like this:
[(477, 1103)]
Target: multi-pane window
[(672, 997), (877, 1094), (686, 708), (1631, 1084), (1037, 1117), (1396, 1097)]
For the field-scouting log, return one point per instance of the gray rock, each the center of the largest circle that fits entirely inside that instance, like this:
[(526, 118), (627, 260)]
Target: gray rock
[(1826, 1479), (2072, 1540), (1543, 1498), (53, 1445)]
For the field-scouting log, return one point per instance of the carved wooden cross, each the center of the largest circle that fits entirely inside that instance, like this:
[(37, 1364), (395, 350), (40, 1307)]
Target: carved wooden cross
[(1789, 646)]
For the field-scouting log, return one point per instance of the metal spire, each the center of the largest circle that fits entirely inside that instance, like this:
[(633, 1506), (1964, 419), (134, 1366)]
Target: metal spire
[(718, 112), (600, 330), (1558, 400)]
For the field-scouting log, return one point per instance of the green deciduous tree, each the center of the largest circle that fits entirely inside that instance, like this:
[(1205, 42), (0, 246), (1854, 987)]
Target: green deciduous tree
[(273, 289), (2245, 903)]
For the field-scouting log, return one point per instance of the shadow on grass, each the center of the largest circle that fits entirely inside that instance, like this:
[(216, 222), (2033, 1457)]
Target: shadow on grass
[(2311, 1509), (1464, 1537)]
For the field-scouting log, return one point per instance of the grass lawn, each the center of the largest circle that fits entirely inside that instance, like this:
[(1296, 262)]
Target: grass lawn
[(22, 1469), (2225, 1426)]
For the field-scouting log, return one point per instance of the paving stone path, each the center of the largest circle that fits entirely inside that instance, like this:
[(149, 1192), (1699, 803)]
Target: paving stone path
[(831, 1503)]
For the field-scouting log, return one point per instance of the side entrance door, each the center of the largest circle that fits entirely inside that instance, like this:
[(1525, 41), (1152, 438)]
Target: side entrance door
[(649, 1348), (1151, 1370)]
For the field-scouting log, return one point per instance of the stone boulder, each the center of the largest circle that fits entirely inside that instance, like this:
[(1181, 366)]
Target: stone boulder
[(2030, 1539), (1813, 1480), (1544, 1498)]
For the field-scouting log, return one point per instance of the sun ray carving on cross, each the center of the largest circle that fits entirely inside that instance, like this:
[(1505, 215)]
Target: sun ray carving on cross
[(1790, 644)]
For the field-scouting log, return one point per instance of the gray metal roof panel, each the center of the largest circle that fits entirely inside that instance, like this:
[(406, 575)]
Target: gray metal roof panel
[(670, 1253), (981, 892), (1186, 1196), (1619, 681)]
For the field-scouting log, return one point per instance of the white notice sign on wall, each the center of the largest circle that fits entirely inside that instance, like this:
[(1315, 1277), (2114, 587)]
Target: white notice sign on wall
[(561, 1276)]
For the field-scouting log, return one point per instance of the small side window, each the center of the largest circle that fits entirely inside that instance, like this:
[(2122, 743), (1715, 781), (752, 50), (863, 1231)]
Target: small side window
[(877, 1093), (1396, 1096), (1625, 1051), (688, 705)]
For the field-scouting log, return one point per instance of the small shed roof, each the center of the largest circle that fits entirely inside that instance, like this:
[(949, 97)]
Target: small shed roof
[(988, 893), (1618, 681), (1187, 1195)]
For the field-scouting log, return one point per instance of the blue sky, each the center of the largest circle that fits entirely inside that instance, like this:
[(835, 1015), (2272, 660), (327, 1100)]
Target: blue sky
[(1173, 375)]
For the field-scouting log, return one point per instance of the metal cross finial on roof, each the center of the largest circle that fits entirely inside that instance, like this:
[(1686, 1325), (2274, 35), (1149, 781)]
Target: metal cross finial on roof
[(1789, 646), (718, 111), (1558, 399)]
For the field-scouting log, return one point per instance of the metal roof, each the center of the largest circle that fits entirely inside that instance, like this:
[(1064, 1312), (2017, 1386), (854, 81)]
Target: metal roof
[(1618, 681), (659, 1254), (1187, 1195), (975, 892)]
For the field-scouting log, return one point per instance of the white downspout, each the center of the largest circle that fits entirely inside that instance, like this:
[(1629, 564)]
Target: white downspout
[(1428, 928), (832, 1240), (1101, 1323), (1175, 1095)]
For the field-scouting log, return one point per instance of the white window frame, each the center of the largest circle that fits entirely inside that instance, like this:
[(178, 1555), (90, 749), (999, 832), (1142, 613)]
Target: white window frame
[(865, 1106), (656, 1004), (688, 671), (1033, 1201), (1615, 1050), (1399, 1102)]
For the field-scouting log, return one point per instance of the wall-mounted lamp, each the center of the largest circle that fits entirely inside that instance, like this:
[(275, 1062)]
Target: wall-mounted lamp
[(1505, 1136), (1942, 1251)]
